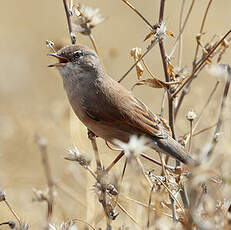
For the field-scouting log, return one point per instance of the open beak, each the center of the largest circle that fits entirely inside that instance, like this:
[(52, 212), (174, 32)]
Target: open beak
[(62, 60)]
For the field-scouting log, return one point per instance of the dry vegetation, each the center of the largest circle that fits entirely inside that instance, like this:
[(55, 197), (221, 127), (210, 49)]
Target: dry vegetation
[(136, 190)]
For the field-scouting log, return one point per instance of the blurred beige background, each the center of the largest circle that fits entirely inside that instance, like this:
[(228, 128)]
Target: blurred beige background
[(32, 99)]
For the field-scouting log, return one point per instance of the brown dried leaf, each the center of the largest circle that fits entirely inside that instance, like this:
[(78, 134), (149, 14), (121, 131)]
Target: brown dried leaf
[(170, 33), (224, 45), (171, 71), (151, 82), (149, 35), (208, 61), (136, 54)]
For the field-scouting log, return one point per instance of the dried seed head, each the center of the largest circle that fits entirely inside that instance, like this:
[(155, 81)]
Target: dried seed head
[(2, 195), (39, 195), (11, 224), (219, 70), (136, 54), (22, 226), (50, 44), (42, 142), (63, 226), (112, 190), (86, 19), (191, 116), (74, 155), (135, 146)]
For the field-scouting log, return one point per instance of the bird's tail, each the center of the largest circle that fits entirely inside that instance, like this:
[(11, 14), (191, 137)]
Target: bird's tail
[(171, 147)]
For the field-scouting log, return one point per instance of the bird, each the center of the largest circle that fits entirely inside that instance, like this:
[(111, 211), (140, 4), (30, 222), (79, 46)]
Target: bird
[(106, 107)]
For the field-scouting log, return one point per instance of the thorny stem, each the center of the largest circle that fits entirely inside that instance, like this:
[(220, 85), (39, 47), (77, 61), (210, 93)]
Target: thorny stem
[(201, 63), (69, 15), (220, 119), (137, 12)]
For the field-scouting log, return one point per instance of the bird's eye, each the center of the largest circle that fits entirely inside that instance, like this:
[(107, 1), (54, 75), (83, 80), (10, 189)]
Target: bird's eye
[(78, 54)]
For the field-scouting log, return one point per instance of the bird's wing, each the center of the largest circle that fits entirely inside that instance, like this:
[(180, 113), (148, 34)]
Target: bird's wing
[(129, 112), (143, 119), (120, 108)]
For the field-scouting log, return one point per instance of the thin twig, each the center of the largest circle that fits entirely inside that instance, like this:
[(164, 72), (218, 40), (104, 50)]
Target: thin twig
[(137, 12), (184, 92), (145, 205), (93, 43), (190, 135), (201, 31), (125, 211), (202, 111), (84, 222), (47, 169), (69, 23), (205, 129), (92, 137), (170, 192), (167, 77), (201, 63), (184, 195), (182, 29), (145, 53), (12, 211), (149, 205), (174, 212), (221, 115), (157, 162), (114, 161), (143, 171), (180, 34), (124, 168), (163, 103)]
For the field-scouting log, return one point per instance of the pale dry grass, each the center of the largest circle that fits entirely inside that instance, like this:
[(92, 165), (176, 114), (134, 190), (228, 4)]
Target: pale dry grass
[(34, 103)]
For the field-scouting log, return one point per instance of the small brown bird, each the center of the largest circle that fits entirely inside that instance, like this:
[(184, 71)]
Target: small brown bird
[(106, 107)]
